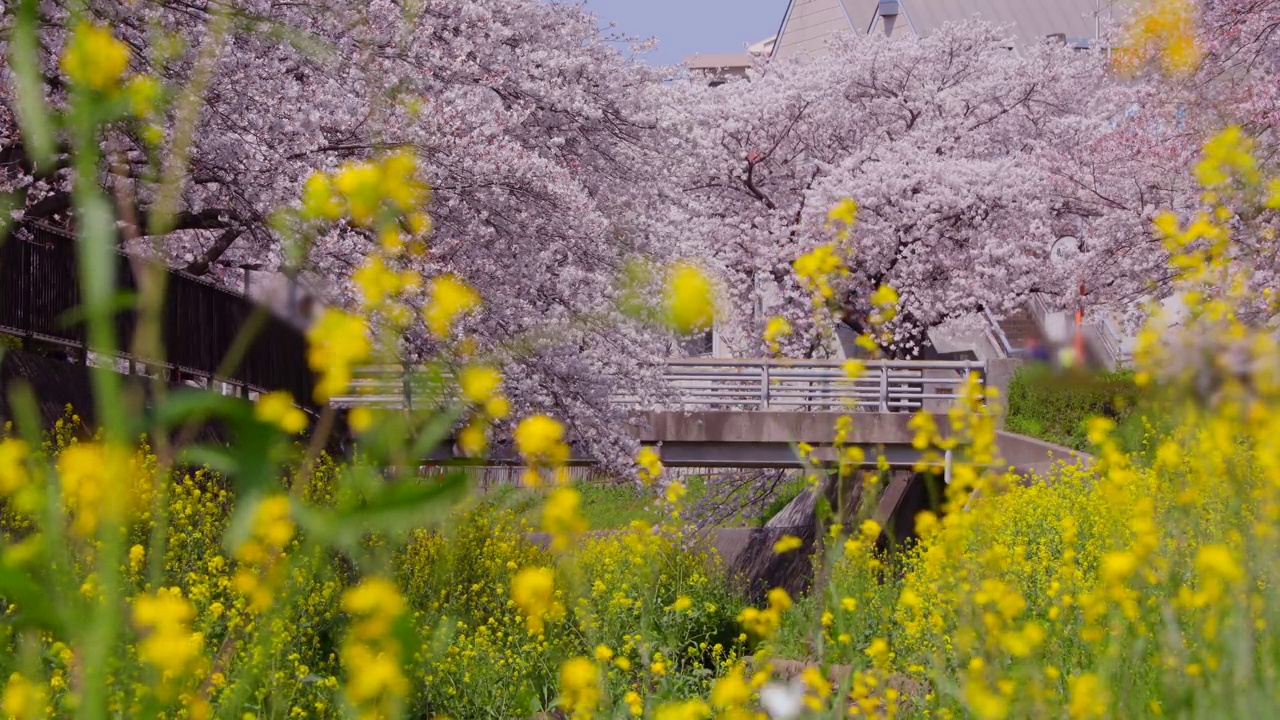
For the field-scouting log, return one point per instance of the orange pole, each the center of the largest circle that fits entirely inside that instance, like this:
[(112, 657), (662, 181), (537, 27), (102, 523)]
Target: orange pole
[(1079, 340)]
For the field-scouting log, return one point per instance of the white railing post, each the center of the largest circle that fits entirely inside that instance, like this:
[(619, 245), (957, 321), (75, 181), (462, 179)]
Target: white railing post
[(764, 385), (884, 388), (405, 387)]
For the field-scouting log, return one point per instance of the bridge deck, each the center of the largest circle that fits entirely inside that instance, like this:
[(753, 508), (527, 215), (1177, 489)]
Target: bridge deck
[(746, 413)]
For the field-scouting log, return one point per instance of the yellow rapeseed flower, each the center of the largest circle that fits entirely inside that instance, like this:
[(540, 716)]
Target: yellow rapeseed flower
[(1217, 561), (1228, 155), (689, 299), (479, 383), (94, 484), (13, 471), (377, 282), (164, 618), (278, 408), (817, 688), (818, 269), (448, 298), (540, 440), (473, 438), (1088, 697), (533, 592), (870, 529), (94, 58), (560, 518), (787, 543), (650, 464), (143, 92), (774, 330), (731, 692), (1166, 30), (137, 555), (22, 698), (335, 343), (360, 184), (683, 710), (845, 212), (319, 199), (375, 603), (885, 300), (360, 419), (635, 704), (579, 687)]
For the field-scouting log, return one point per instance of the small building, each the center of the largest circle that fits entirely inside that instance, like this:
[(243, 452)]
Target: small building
[(720, 67)]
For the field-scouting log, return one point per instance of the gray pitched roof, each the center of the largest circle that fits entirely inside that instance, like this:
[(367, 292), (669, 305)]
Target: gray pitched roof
[(810, 24)]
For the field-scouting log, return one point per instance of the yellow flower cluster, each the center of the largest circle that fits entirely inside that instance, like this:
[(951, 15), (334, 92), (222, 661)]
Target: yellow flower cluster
[(764, 623), (775, 330), (94, 58), (1164, 31), (262, 555), (336, 343), (448, 299), (14, 477), (369, 193), (480, 386), (376, 684), (689, 299), (101, 481), (164, 620), (579, 688), (561, 519), (788, 543), (540, 441), (278, 409), (819, 270), (650, 465), (533, 590), (22, 699)]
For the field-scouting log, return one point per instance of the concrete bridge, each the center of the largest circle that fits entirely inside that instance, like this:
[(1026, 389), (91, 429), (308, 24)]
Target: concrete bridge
[(753, 413)]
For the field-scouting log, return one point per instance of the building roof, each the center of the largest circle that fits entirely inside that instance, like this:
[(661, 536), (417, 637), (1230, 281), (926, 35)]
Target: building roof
[(718, 61), (809, 25)]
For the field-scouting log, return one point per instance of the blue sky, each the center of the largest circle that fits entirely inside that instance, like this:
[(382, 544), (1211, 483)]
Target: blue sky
[(685, 27)]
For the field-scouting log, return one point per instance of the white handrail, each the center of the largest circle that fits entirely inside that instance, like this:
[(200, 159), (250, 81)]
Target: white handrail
[(729, 384)]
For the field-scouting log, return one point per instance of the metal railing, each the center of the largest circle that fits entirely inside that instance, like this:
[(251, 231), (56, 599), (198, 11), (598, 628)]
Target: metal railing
[(812, 385), (40, 295), (728, 384)]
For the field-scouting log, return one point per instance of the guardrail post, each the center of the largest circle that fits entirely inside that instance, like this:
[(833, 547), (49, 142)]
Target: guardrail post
[(764, 385), (408, 394), (884, 388)]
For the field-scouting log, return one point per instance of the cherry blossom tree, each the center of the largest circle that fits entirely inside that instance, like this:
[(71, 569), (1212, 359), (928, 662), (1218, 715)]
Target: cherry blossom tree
[(942, 142), (1135, 151), (531, 129)]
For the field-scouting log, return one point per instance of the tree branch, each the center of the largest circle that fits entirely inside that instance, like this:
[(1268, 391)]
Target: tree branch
[(200, 265)]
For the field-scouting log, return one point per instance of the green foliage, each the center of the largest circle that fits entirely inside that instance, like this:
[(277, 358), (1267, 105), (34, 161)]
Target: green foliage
[(1056, 406)]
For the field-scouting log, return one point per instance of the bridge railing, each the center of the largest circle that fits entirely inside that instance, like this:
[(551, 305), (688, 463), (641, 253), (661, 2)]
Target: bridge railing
[(813, 385), (715, 384), (40, 295)]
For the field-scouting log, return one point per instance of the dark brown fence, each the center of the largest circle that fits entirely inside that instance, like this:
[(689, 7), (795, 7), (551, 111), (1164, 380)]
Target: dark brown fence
[(40, 297)]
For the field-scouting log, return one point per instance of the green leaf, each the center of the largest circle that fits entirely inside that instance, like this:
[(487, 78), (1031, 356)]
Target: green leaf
[(216, 458), (24, 59), (190, 405), (401, 507), (436, 430), (34, 606)]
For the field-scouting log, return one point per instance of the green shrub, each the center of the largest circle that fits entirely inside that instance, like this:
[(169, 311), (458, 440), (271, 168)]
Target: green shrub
[(1056, 406)]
